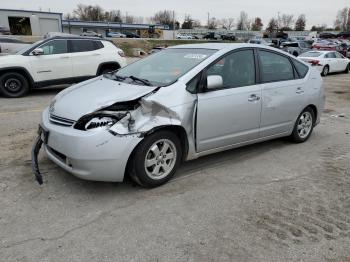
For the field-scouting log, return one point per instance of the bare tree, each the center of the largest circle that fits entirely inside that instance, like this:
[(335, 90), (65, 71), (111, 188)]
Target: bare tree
[(113, 16), (272, 25), (213, 23), (227, 23), (286, 22), (243, 21), (257, 24), (300, 24), (129, 19), (164, 17), (89, 13), (342, 19), (188, 22)]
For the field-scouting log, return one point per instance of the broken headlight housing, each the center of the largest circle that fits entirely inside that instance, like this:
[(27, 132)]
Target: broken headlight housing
[(97, 120)]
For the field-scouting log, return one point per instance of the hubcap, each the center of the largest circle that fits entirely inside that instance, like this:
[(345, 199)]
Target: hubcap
[(304, 124), (160, 159), (325, 71), (13, 85)]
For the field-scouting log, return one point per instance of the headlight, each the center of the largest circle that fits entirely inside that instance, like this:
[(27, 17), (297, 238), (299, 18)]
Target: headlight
[(121, 53), (97, 120)]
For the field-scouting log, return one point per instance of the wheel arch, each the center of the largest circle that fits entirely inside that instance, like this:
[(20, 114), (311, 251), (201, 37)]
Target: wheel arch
[(314, 109), (19, 70)]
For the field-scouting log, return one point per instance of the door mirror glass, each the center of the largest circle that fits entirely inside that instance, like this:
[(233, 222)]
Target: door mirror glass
[(38, 51), (214, 82)]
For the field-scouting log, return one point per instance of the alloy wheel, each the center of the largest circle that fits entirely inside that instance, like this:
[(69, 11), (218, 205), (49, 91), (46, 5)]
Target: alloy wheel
[(160, 159), (305, 124)]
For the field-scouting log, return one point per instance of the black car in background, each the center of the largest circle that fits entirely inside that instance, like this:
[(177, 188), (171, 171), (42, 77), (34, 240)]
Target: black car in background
[(130, 35), (228, 36)]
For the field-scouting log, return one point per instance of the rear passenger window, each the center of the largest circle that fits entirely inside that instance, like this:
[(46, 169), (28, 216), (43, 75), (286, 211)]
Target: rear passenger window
[(98, 45), (82, 46), (301, 68), (275, 67), (330, 55)]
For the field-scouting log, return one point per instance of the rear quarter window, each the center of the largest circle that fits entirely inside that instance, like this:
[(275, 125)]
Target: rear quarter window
[(301, 68), (82, 46)]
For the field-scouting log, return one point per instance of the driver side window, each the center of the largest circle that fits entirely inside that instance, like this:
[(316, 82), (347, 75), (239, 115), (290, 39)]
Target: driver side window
[(236, 69), (55, 47)]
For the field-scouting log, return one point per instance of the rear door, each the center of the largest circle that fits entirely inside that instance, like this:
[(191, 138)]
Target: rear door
[(332, 62), (86, 56), (341, 61), (54, 64), (231, 114), (283, 94)]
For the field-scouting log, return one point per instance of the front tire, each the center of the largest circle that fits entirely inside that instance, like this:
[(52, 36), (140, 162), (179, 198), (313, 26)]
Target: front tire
[(155, 161), (347, 69), (13, 85), (325, 70), (303, 126)]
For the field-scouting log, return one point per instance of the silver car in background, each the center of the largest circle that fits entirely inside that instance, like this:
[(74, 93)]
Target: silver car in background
[(10, 45), (179, 104)]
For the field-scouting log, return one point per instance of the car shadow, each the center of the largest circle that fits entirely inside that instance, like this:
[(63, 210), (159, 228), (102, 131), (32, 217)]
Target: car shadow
[(44, 91), (187, 169)]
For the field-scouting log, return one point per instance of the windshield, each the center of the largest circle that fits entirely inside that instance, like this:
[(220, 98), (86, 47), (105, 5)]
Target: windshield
[(312, 54), (165, 67), (23, 50)]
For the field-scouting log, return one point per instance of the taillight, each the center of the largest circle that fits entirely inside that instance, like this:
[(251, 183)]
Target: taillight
[(314, 62)]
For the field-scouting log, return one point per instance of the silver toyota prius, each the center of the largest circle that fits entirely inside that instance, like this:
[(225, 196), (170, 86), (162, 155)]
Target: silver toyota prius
[(176, 105)]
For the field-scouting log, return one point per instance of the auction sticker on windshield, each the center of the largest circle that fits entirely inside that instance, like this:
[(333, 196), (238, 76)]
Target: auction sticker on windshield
[(195, 56)]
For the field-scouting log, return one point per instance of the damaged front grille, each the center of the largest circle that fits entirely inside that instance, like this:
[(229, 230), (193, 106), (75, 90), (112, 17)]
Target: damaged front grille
[(60, 120)]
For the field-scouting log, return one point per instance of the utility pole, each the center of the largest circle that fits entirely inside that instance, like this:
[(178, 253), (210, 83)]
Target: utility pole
[(208, 20), (278, 21), (173, 24)]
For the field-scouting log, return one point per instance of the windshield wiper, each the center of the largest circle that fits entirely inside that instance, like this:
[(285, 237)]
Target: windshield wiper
[(115, 77), (144, 81)]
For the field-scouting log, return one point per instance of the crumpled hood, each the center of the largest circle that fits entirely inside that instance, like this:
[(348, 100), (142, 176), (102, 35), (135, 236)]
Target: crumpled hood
[(89, 96)]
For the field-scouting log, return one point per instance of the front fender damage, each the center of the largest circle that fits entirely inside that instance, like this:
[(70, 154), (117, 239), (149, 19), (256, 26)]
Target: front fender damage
[(149, 115)]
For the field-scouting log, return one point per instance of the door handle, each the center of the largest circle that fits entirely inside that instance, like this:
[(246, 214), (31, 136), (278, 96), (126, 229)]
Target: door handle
[(64, 57), (253, 97), (299, 90), (96, 54)]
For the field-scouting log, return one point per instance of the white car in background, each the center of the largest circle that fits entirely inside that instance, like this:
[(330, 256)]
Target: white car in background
[(184, 36), (55, 61), (327, 61)]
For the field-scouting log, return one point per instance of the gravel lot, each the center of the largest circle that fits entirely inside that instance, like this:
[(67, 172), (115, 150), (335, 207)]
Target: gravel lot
[(273, 201)]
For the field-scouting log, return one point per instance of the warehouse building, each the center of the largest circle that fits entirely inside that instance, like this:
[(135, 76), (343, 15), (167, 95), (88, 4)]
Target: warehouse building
[(78, 27), (37, 23)]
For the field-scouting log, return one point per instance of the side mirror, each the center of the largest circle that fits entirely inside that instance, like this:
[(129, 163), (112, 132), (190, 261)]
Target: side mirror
[(214, 82), (38, 51)]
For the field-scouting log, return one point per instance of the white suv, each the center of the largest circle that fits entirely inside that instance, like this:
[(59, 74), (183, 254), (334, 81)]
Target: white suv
[(57, 60)]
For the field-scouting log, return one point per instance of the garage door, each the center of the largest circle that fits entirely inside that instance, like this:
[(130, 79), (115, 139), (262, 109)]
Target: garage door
[(49, 25)]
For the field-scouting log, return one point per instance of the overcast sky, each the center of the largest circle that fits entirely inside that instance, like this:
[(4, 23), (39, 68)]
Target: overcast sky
[(317, 12)]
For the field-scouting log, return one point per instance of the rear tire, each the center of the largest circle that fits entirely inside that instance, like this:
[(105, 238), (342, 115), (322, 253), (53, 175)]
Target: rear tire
[(13, 85), (156, 159), (325, 70), (303, 126)]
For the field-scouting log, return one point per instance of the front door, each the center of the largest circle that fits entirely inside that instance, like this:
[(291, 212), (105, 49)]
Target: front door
[(54, 64), (231, 114)]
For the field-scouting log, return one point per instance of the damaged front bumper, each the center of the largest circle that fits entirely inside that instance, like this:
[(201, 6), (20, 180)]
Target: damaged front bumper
[(96, 155)]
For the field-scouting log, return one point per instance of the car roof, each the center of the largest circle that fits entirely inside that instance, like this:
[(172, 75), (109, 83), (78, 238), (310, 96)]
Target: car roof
[(74, 37), (221, 46)]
